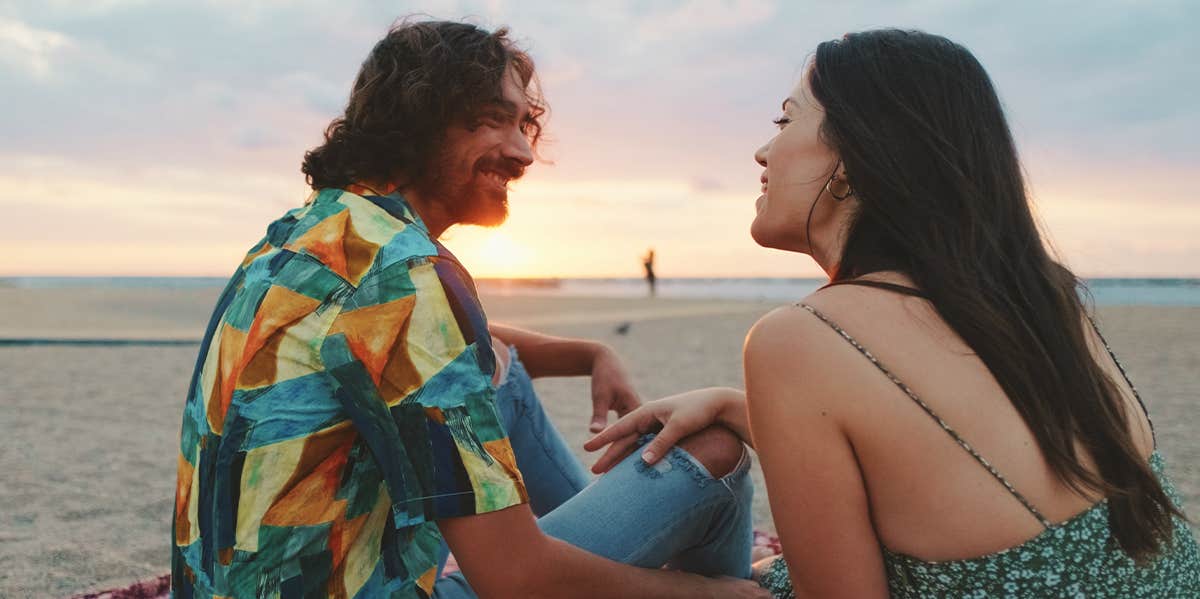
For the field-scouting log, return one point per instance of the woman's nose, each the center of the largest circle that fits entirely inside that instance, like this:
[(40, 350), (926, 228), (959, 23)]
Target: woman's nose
[(760, 156)]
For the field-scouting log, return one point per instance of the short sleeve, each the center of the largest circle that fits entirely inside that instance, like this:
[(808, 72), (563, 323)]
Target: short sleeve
[(412, 365)]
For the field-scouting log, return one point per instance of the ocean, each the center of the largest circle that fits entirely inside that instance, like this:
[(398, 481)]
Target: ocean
[(1104, 291)]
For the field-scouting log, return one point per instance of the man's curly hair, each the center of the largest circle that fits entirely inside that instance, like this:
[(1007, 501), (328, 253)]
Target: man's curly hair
[(421, 78)]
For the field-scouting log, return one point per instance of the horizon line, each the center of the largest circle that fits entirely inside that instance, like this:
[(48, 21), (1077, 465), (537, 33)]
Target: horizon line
[(559, 277)]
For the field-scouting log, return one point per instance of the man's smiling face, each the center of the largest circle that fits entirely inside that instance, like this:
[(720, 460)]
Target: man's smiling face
[(478, 159)]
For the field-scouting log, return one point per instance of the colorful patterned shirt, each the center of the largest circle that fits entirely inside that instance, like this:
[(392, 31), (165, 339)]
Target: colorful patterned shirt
[(341, 404)]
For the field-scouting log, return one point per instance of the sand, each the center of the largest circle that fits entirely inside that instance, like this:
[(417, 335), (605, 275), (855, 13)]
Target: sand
[(88, 454)]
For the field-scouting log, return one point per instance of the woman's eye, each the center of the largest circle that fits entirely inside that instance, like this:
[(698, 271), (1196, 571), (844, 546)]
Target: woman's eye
[(781, 122)]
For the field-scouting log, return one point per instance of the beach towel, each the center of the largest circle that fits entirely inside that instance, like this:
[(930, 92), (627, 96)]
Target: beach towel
[(160, 587)]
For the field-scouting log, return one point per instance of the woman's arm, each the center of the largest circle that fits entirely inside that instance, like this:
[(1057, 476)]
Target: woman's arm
[(817, 493)]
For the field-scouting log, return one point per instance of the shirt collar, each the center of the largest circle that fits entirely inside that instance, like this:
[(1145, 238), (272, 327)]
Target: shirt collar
[(393, 203)]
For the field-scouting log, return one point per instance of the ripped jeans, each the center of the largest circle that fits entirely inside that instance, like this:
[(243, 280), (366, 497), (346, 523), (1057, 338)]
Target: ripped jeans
[(673, 513)]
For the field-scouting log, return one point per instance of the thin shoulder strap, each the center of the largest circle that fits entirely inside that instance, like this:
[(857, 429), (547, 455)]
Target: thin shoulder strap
[(901, 289), (928, 410), (1124, 375)]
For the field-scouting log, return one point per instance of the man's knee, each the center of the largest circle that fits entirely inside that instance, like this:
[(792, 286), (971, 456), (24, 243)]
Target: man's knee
[(717, 448)]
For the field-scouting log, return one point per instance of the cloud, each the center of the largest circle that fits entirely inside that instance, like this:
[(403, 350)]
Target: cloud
[(89, 9), (53, 58), (322, 95), (562, 71), (655, 105), (31, 49), (701, 18), (257, 138), (705, 184)]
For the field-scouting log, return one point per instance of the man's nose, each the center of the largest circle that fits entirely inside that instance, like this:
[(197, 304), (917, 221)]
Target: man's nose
[(518, 149)]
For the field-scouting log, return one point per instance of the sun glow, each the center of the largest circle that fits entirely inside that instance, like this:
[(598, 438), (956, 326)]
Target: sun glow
[(492, 253)]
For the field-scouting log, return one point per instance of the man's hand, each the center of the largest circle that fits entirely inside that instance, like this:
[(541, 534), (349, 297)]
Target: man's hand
[(546, 355), (736, 588), (611, 389)]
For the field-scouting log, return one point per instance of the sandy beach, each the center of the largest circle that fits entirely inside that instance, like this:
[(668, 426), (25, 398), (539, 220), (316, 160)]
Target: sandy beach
[(90, 433)]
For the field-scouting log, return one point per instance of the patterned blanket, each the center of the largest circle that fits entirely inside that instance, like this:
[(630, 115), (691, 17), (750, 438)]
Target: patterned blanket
[(160, 587)]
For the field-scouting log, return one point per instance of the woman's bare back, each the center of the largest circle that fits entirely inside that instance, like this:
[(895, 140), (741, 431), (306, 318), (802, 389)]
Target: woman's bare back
[(930, 498)]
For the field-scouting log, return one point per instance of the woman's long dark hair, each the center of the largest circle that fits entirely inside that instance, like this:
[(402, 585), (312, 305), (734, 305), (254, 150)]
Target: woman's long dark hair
[(942, 198)]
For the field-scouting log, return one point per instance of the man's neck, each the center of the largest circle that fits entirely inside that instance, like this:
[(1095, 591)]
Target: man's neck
[(432, 213)]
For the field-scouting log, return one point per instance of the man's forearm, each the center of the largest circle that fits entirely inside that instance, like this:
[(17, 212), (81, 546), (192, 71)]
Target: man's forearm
[(547, 355), (577, 573), (504, 555)]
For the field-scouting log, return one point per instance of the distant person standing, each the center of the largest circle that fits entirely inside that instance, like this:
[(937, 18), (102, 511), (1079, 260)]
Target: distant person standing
[(648, 264)]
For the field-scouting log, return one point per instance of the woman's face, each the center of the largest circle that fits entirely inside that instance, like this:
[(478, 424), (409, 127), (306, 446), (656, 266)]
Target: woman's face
[(797, 165)]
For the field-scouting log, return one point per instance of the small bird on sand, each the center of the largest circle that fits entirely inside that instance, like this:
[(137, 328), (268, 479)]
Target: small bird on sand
[(623, 328)]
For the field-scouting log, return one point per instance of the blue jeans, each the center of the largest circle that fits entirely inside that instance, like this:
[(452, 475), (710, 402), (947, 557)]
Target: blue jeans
[(673, 513)]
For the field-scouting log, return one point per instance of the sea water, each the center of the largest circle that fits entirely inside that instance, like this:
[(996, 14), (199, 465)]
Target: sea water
[(1104, 291)]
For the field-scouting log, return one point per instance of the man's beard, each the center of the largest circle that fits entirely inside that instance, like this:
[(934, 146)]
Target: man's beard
[(473, 201), (483, 207)]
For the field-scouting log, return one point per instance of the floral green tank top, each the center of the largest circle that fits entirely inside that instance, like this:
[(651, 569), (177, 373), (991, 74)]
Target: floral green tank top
[(1076, 558)]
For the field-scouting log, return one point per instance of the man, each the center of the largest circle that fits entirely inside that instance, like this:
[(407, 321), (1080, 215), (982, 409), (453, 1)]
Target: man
[(347, 415)]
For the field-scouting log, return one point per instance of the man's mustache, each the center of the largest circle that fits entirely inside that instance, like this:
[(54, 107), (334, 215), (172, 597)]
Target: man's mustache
[(506, 167)]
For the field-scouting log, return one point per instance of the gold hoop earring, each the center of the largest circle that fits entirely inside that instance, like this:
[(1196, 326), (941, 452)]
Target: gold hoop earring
[(839, 197)]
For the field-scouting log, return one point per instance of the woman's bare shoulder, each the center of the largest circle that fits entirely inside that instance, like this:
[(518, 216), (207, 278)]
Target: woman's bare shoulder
[(809, 325), (792, 330), (795, 347), (810, 341)]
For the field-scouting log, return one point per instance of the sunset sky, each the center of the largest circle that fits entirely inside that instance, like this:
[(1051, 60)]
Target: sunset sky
[(160, 137)]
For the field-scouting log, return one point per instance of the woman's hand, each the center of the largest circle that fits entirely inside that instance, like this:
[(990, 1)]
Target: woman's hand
[(673, 418)]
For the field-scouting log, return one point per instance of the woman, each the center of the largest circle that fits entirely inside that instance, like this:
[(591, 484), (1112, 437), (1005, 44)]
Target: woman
[(942, 418)]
